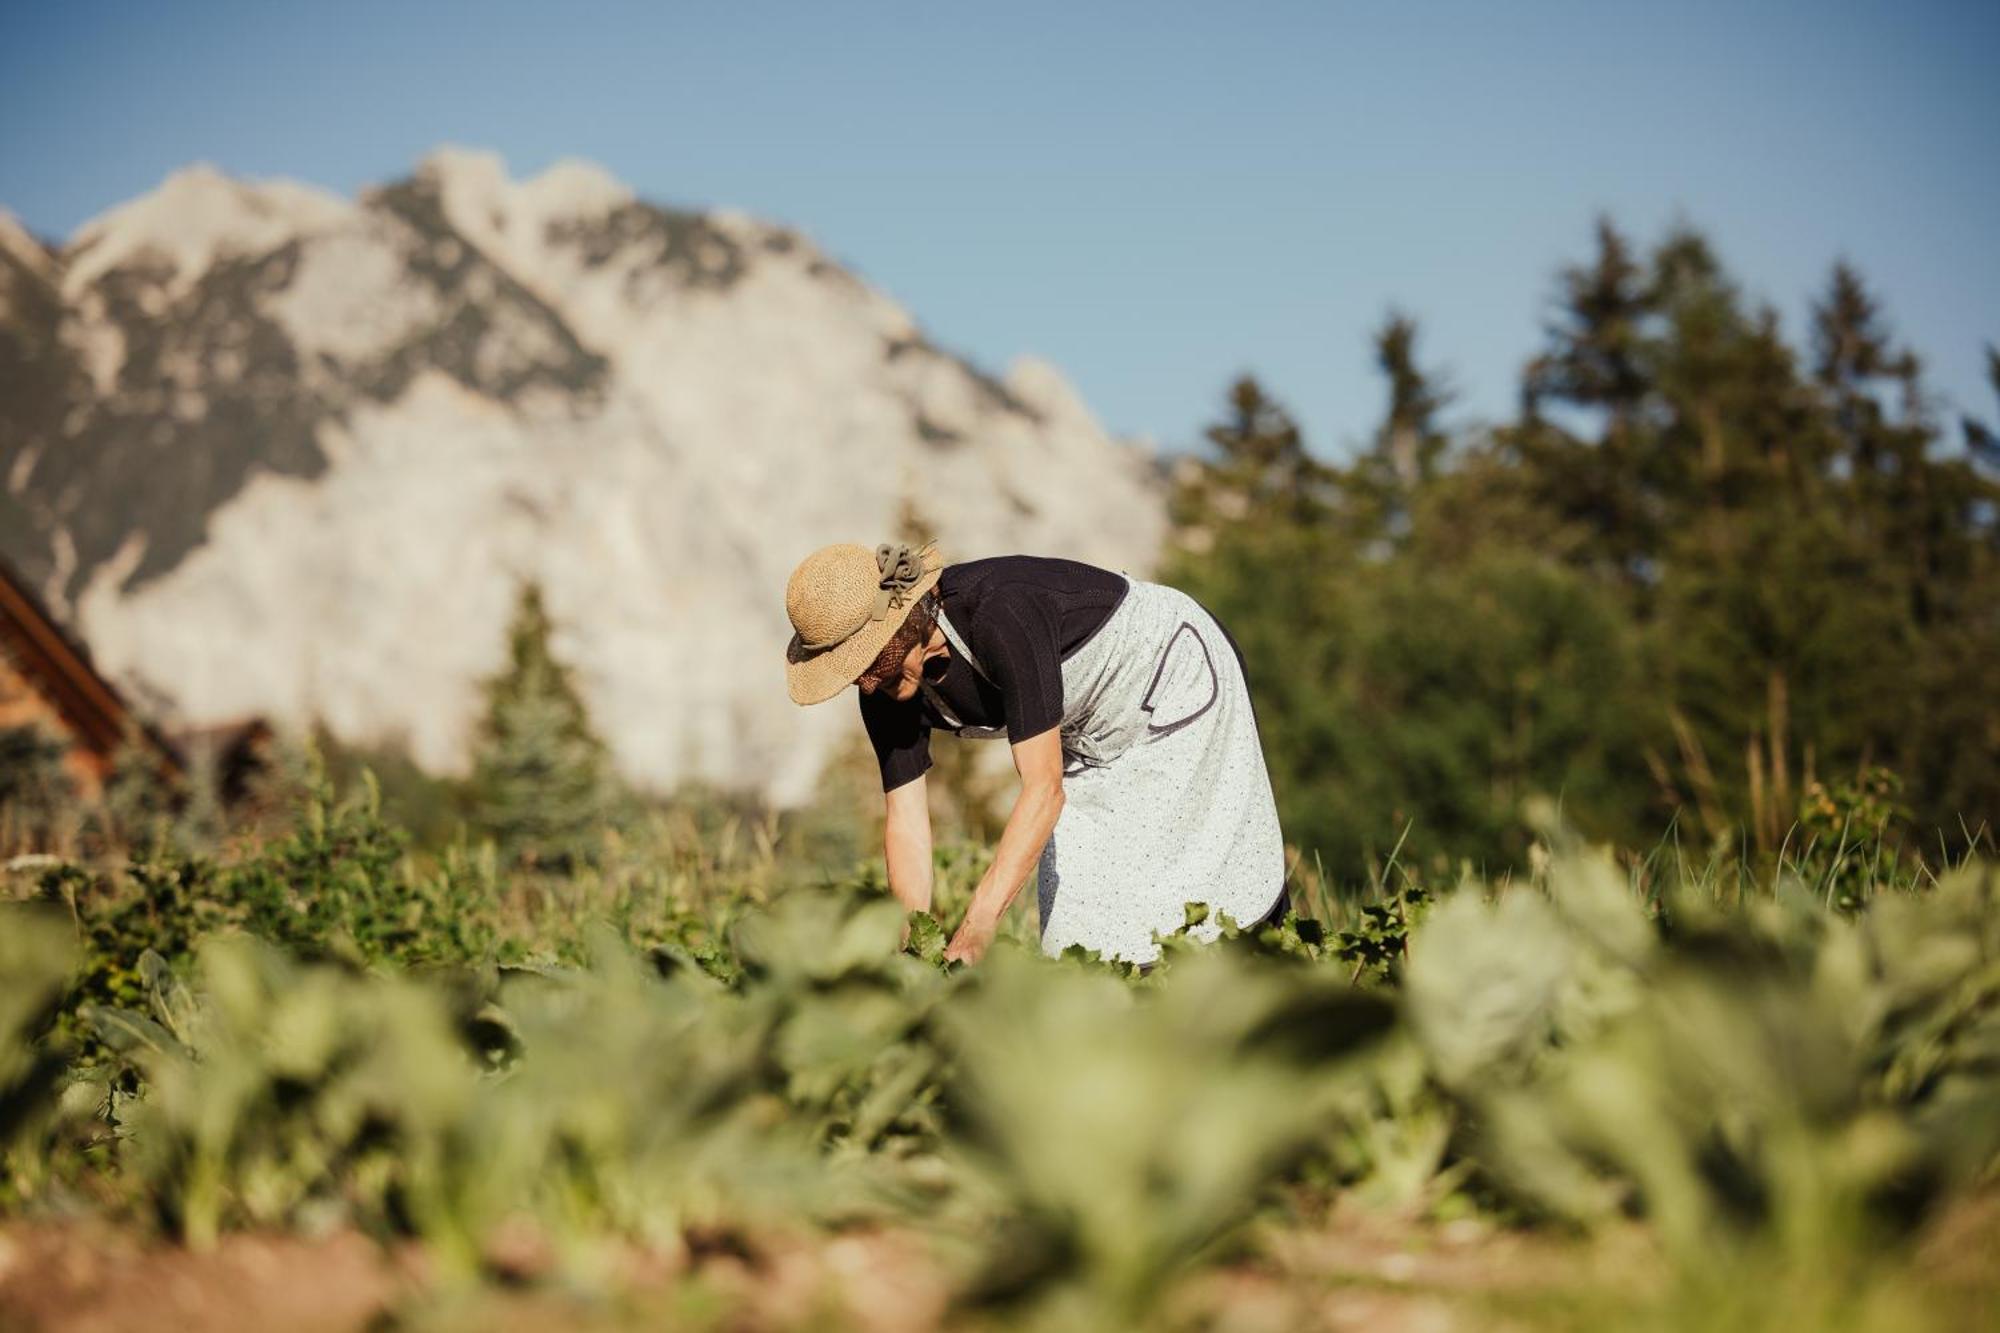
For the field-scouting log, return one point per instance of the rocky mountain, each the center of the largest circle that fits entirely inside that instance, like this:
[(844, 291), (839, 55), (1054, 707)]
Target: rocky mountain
[(273, 451)]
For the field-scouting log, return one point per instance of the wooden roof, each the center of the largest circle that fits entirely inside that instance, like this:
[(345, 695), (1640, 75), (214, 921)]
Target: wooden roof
[(58, 664)]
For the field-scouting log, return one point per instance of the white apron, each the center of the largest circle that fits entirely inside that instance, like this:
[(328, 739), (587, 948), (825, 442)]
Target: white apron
[(1166, 801)]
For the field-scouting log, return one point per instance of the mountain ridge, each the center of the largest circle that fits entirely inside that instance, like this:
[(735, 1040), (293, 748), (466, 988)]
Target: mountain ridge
[(273, 450)]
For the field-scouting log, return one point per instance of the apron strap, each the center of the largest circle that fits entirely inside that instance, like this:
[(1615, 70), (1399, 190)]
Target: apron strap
[(951, 636), (957, 643)]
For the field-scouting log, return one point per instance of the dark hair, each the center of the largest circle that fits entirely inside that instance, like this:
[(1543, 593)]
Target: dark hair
[(915, 629)]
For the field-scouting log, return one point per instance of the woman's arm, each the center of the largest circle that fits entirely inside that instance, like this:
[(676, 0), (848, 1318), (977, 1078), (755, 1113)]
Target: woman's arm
[(1038, 759), (906, 845)]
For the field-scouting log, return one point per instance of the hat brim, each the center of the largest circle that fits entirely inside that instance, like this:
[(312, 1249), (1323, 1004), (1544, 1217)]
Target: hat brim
[(813, 677)]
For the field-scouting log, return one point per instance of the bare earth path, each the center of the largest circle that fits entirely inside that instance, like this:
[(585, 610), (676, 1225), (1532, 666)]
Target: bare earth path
[(1354, 1271)]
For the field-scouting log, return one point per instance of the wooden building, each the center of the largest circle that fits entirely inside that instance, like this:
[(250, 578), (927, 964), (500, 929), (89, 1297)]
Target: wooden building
[(47, 681)]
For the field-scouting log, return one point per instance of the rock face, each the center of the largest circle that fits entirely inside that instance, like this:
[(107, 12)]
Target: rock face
[(271, 451)]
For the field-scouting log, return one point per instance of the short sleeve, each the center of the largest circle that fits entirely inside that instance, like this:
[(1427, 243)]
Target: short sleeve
[(901, 735), (1018, 642)]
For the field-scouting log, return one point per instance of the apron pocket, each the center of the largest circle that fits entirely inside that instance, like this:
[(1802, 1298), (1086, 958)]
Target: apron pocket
[(1184, 686)]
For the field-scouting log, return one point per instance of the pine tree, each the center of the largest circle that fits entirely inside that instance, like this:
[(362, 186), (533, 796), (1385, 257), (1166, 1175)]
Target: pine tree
[(1916, 507), (1258, 470), (1875, 391), (1756, 585), (140, 797), (1409, 439), (1598, 355), (541, 784), (1981, 440), (1598, 371), (1405, 455), (37, 797)]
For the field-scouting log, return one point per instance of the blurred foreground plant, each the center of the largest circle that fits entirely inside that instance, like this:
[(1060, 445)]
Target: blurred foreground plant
[(1777, 1084), (1128, 1129)]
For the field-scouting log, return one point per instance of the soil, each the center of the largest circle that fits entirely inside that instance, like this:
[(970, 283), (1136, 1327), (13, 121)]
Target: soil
[(1350, 1271), (85, 1277)]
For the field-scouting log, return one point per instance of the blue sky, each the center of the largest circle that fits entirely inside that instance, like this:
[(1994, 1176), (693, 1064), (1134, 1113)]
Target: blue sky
[(1153, 196)]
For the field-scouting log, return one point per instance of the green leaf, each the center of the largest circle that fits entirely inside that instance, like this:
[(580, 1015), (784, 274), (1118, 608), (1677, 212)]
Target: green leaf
[(127, 1032), (927, 937)]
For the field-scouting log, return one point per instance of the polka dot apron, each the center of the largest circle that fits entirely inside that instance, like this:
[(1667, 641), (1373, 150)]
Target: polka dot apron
[(1166, 800)]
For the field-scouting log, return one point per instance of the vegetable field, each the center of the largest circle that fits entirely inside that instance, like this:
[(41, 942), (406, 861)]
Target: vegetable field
[(316, 1081)]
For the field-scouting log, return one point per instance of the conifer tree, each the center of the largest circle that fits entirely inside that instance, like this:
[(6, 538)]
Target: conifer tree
[(36, 794), (1981, 440), (541, 784), (140, 798), (1598, 354), (1598, 368), (1410, 438), (1875, 391), (1408, 447), (1258, 468)]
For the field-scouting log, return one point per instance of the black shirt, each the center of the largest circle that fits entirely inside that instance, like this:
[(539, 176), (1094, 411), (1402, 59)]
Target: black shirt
[(1020, 616)]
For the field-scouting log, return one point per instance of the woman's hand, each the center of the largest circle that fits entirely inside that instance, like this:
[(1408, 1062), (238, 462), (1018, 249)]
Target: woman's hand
[(973, 937)]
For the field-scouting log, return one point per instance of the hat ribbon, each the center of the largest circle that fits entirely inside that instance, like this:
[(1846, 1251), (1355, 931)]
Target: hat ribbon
[(902, 567)]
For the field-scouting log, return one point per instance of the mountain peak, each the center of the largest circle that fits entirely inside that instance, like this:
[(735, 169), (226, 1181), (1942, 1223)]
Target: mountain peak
[(194, 217), (456, 167), (573, 185), (508, 219), (19, 244), (480, 196)]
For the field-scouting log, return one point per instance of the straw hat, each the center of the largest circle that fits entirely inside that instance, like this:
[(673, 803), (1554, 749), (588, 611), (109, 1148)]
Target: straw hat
[(846, 602)]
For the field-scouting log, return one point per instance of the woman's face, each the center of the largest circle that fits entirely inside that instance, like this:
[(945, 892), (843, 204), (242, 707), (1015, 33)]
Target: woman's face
[(900, 679)]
